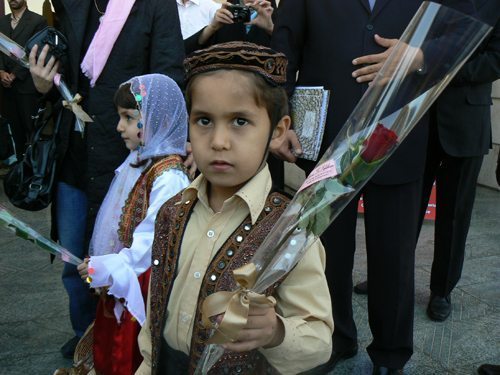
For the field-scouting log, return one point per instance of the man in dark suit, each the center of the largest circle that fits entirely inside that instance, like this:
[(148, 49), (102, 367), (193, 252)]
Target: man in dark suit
[(19, 94), (460, 135), (323, 39)]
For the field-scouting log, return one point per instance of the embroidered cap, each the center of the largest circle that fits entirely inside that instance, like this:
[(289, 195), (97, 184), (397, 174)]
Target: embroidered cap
[(269, 64)]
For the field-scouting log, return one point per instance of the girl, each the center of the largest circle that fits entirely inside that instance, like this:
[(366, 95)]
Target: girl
[(153, 125)]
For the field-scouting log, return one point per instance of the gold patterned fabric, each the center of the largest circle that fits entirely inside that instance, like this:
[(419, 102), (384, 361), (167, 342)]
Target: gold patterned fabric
[(269, 64), (193, 239), (137, 203), (236, 252)]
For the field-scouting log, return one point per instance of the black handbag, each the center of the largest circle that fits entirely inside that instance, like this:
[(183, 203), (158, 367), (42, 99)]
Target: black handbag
[(29, 184)]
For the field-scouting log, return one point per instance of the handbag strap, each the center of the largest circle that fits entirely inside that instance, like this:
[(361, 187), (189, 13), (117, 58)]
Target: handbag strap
[(39, 165)]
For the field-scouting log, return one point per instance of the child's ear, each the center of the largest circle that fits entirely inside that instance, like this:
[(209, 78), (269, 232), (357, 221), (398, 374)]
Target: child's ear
[(280, 132)]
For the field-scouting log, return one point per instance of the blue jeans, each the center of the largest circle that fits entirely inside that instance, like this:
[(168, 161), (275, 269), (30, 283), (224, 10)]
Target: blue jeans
[(71, 217)]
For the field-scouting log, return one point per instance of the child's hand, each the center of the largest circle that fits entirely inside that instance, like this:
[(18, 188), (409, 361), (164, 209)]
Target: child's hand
[(83, 269), (263, 330)]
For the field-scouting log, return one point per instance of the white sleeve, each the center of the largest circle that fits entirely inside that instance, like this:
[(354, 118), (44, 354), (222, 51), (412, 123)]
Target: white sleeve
[(119, 271)]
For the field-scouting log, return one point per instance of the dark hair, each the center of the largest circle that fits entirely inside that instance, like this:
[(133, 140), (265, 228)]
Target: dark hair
[(124, 98), (273, 98)]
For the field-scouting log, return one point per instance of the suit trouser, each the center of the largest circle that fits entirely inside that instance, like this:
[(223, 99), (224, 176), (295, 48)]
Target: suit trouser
[(18, 109), (391, 219), (456, 179)]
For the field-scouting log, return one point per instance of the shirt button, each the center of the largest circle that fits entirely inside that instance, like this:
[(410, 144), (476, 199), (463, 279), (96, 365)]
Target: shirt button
[(210, 233), (369, 27), (197, 275), (92, 148), (91, 178), (156, 262), (185, 318)]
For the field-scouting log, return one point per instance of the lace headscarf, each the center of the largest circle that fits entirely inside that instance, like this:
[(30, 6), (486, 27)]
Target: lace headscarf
[(164, 125)]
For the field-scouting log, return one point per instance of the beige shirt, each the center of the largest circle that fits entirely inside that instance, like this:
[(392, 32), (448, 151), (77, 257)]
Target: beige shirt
[(303, 300)]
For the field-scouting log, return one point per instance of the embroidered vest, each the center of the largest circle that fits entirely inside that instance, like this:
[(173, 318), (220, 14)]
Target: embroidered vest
[(236, 251), (136, 206)]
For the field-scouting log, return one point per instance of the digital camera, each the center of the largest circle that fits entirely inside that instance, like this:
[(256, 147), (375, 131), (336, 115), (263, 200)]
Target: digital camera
[(241, 13)]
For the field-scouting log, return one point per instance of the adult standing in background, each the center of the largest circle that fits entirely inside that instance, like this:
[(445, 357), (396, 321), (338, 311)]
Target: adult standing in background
[(224, 28), (110, 41), (326, 42), (459, 137), (20, 98)]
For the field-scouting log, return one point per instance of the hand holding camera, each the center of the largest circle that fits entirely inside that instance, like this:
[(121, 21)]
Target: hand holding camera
[(264, 11), (240, 13), (233, 13)]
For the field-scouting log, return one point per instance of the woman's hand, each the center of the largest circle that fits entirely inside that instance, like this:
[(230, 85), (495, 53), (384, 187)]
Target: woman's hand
[(42, 74)]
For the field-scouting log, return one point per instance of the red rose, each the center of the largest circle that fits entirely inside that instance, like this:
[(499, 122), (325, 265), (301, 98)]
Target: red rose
[(378, 144)]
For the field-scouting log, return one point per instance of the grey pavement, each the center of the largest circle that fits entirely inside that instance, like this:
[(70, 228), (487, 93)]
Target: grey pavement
[(34, 320)]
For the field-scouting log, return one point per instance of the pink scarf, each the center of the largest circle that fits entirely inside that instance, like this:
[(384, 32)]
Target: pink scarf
[(105, 37)]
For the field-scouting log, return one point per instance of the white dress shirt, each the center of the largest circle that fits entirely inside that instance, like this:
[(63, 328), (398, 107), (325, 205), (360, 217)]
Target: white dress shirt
[(194, 15)]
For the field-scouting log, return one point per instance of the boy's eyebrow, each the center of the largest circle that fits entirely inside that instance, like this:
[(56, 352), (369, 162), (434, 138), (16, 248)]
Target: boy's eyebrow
[(232, 113), (198, 112)]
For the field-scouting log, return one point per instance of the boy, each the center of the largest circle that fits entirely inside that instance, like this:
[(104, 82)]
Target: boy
[(237, 109)]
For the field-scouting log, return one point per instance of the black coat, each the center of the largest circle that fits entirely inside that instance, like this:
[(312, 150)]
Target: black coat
[(463, 109), (150, 42), (29, 24), (321, 38)]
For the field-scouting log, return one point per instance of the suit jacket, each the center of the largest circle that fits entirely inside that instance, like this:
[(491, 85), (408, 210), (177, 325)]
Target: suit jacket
[(463, 109), (29, 24), (150, 42), (322, 37)]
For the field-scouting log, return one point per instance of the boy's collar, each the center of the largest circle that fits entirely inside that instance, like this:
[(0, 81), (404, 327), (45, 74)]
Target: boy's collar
[(254, 193)]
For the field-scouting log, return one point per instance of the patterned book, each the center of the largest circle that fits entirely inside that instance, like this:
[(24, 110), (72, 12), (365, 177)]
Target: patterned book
[(309, 109)]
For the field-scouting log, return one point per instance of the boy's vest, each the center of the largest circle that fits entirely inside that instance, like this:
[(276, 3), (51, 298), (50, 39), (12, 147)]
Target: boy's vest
[(136, 206), (235, 252)]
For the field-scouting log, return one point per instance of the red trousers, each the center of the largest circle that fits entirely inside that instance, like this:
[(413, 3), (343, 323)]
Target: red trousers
[(116, 350)]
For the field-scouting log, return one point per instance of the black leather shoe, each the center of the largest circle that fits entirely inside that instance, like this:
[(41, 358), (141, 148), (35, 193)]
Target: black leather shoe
[(361, 288), (381, 370), (489, 369), (68, 349), (335, 358), (439, 308)]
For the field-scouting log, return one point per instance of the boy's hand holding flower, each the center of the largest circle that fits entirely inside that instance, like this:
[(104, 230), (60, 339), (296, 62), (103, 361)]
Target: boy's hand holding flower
[(263, 330)]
